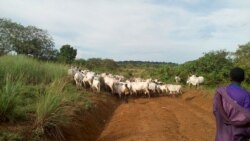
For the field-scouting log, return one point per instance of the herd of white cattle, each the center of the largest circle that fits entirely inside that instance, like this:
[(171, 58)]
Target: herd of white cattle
[(116, 84)]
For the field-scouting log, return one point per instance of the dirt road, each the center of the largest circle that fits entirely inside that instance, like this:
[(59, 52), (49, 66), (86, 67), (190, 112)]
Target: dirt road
[(160, 119)]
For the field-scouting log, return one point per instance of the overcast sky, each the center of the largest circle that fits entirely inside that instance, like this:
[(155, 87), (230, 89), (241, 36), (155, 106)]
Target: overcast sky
[(147, 30)]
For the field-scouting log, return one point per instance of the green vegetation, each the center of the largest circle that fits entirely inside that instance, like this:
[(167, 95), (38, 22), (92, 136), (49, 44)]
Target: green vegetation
[(242, 56), (9, 98), (100, 65), (31, 70), (214, 66), (67, 54), (38, 91), (53, 109), (26, 40)]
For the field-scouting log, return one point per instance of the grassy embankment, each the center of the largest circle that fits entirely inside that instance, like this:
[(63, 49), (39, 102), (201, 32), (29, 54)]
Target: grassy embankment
[(36, 92)]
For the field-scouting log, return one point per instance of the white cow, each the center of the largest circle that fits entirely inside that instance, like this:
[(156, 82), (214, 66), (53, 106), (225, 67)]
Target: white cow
[(84, 72), (78, 78), (136, 79), (88, 78), (121, 88), (195, 81), (201, 79), (96, 84), (119, 77), (140, 87), (109, 82), (72, 71), (158, 82), (161, 89), (174, 89), (152, 87)]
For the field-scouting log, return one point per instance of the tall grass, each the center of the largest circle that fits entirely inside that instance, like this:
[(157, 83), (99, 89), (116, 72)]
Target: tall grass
[(21, 78), (9, 97), (34, 71), (39, 91), (53, 110)]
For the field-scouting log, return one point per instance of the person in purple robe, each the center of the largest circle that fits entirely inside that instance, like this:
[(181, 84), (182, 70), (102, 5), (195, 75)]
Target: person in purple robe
[(231, 108)]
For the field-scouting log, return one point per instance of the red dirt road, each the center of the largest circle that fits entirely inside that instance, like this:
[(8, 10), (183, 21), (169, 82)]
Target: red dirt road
[(188, 118)]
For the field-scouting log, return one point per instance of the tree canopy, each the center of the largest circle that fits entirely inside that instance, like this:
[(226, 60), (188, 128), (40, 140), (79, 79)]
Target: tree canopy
[(242, 56), (25, 40), (67, 54)]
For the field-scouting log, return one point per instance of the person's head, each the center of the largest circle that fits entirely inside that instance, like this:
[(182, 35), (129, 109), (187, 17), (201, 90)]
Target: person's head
[(237, 74)]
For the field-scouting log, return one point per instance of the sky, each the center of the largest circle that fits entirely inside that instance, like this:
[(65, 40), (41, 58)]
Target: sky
[(142, 30)]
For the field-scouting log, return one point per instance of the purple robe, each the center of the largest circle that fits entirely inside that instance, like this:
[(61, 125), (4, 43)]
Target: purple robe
[(230, 118), (239, 94)]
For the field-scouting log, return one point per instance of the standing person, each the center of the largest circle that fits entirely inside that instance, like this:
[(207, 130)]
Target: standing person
[(232, 109)]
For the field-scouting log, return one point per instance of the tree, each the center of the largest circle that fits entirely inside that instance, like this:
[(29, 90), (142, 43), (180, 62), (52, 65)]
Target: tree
[(25, 40), (8, 32), (67, 54), (242, 56)]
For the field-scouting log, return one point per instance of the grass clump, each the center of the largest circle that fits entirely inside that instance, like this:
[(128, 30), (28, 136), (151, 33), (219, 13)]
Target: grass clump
[(9, 98), (53, 110)]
